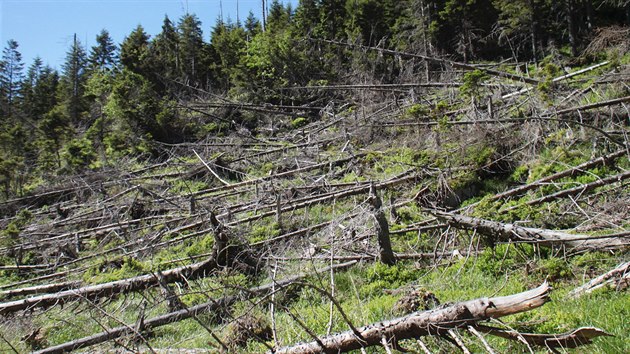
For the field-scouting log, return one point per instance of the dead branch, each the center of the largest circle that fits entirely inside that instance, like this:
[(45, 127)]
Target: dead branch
[(432, 322), (223, 255), (176, 316), (279, 175), (574, 171), (497, 231), (619, 274), (560, 78), (454, 64), (573, 339), (572, 191)]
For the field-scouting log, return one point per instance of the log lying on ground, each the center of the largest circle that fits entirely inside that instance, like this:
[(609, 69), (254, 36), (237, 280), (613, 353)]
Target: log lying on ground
[(579, 169), (278, 175), (183, 314), (39, 289), (573, 191), (617, 276), (573, 339), (106, 289), (226, 253), (498, 232), (417, 324), (454, 64)]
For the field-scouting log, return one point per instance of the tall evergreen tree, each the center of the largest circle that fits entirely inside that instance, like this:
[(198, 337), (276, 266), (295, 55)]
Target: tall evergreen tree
[(252, 26), (164, 52), (191, 49), (279, 17), (228, 41), (134, 51), (306, 17), (103, 55), (332, 18), (44, 92), (31, 79), (73, 80), (11, 74)]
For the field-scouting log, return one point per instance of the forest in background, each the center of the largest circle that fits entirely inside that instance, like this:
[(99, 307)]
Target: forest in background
[(346, 175), (116, 99)]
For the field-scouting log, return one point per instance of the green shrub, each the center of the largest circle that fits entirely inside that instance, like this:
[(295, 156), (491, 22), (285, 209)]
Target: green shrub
[(78, 153), (299, 122)]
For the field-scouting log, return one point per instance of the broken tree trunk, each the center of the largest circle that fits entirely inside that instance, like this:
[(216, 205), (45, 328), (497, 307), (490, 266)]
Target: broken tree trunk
[(39, 289), (498, 231), (454, 64), (573, 339), (620, 276), (176, 316), (577, 170), (417, 324), (382, 228), (225, 254), (573, 191)]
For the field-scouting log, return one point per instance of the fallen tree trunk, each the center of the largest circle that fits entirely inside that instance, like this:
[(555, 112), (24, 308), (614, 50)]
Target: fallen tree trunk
[(225, 254), (619, 274), (573, 339), (579, 169), (103, 290), (183, 314), (454, 64), (573, 191), (39, 289), (498, 231), (417, 324), (278, 175)]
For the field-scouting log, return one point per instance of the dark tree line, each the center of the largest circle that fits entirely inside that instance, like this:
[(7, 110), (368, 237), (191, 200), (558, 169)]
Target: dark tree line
[(112, 100)]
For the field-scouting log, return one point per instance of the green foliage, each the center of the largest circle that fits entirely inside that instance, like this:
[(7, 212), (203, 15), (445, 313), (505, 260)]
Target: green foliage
[(78, 153), (503, 258), (299, 122), (264, 232), (10, 236), (107, 271), (472, 83), (554, 268), (417, 111), (381, 276)]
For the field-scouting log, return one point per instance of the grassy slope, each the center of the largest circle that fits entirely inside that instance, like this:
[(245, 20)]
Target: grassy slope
[(533, 150)]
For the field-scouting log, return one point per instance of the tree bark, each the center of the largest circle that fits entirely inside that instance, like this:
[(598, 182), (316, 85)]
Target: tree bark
[(573, 339), (180, 315), (224, 254), (574, 171), (382, 228), (417, 324), (619, 274), (573, 191), (497, 231)]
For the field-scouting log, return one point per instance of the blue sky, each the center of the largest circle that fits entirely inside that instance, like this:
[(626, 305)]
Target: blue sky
[(46, 27)]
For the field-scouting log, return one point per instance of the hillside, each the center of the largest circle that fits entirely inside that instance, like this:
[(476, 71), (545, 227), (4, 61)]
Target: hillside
[(393, 201)]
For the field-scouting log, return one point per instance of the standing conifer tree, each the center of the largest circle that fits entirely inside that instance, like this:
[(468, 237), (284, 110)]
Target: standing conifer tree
[(103, 55), (191, 49), (11, 67), (134, 51), (164, 52), (73, 81)]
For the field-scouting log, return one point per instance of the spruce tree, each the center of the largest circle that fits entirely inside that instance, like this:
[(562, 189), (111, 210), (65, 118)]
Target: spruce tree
[(73, 80), (11, 67), (134, 51), (164, 55), (103, 55), (191, 50)]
